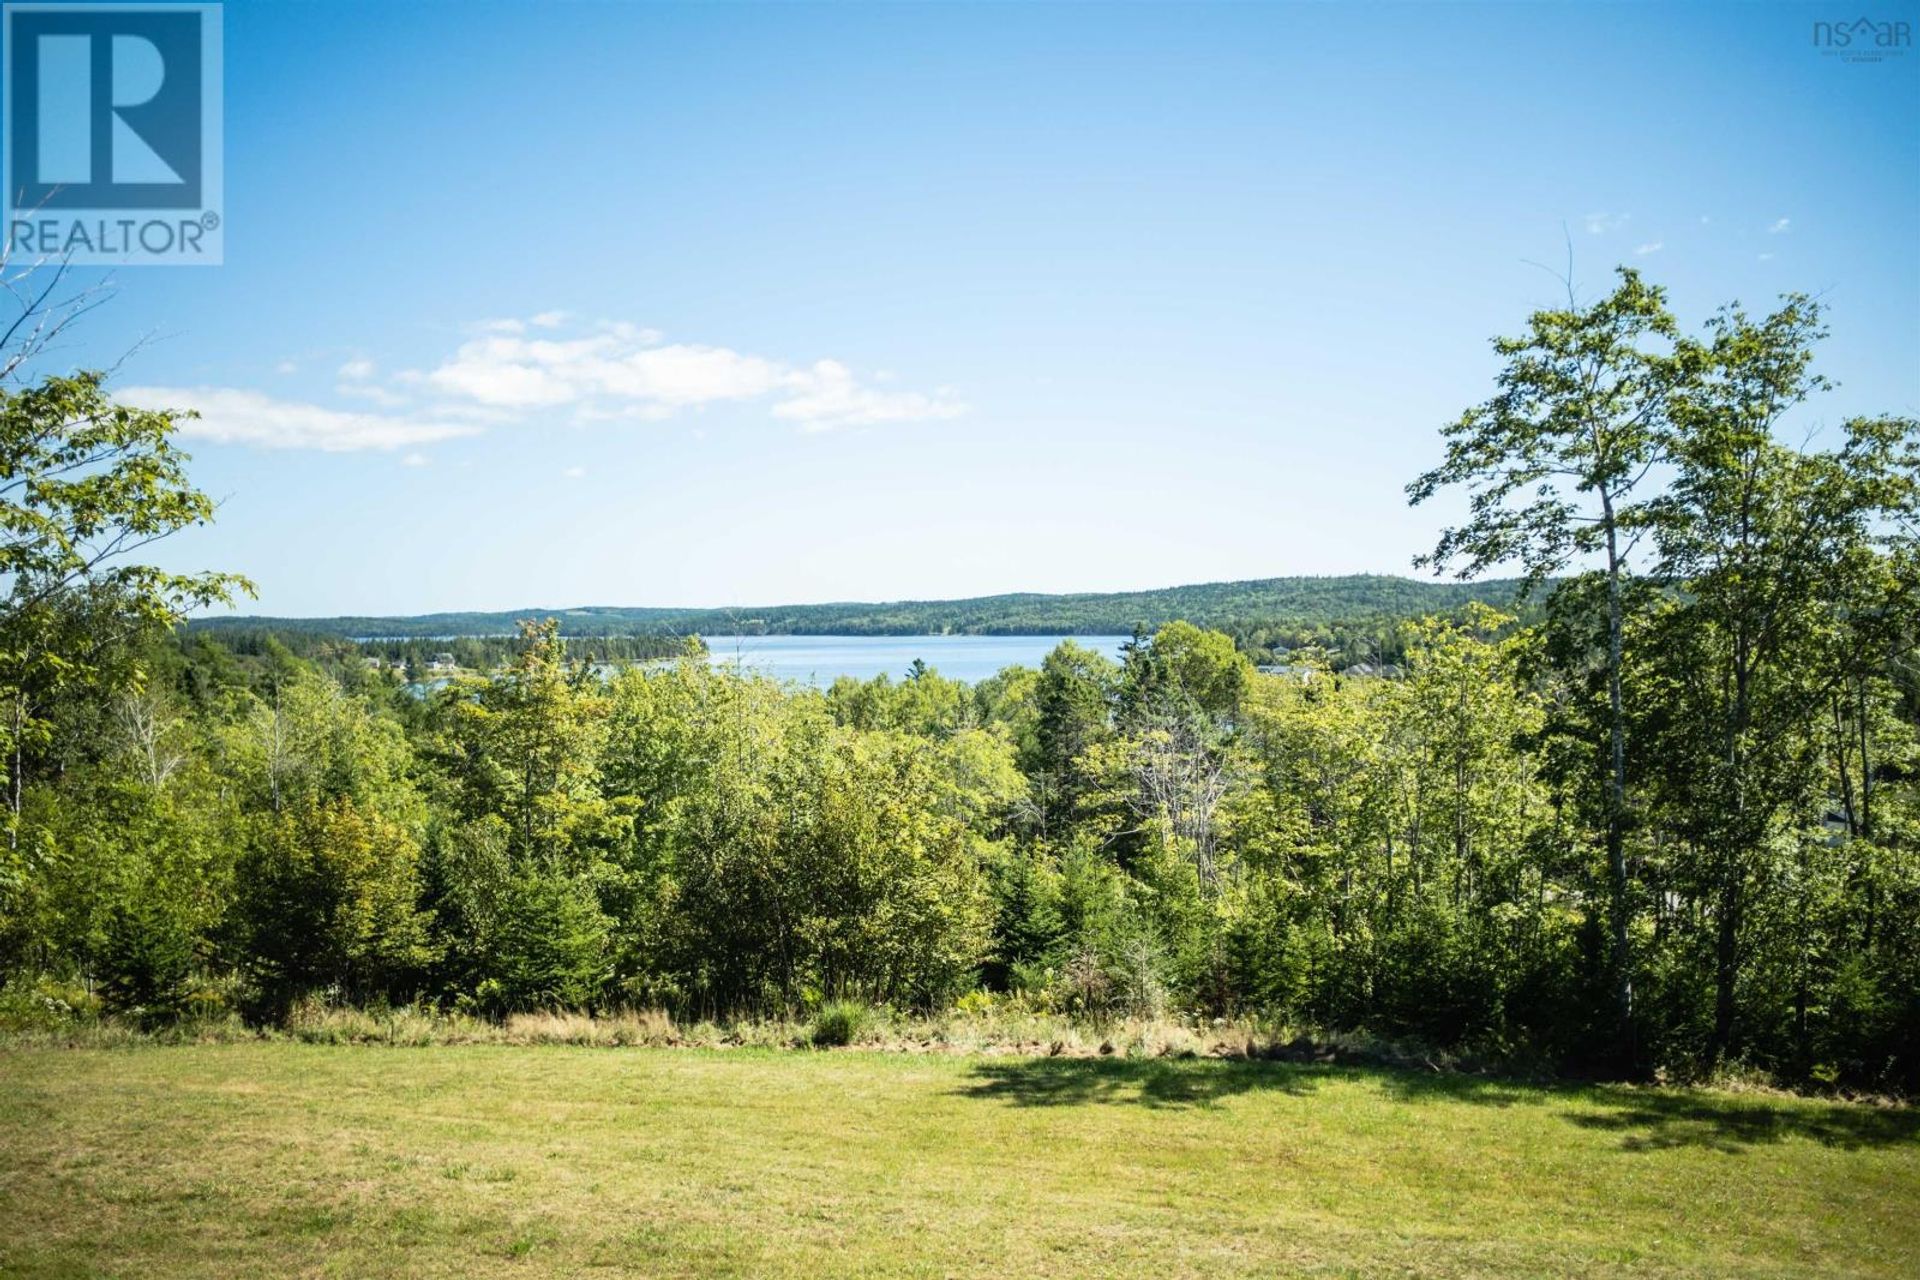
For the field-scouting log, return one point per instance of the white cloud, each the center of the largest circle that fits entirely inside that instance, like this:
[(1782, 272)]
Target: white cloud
[(286, 366), (620, 372), (574, 473), (1601, 223), (827, 395), (1779, 225), (1651, 246), (231, 415), (527, 373), (504, 371), (373, 394), (416, 460), (682, 374), (626, 331), (479, 415), (591, 413), (506, 376)]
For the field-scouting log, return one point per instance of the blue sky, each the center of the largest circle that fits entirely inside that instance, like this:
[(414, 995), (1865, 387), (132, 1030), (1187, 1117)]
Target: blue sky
[(634, 304)]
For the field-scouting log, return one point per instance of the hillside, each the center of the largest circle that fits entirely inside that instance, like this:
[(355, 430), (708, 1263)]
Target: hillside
[(1268, 604)]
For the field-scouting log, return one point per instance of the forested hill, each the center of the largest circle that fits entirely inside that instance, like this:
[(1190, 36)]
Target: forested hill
[(1278, 607)]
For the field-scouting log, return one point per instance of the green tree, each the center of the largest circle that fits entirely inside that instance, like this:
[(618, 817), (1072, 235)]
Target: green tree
[(1184, 668), (328, 899), (813, 861), (85, 484), (552, 946), (526, 744), (1554, 464), (1787, 562), (1072, 710)]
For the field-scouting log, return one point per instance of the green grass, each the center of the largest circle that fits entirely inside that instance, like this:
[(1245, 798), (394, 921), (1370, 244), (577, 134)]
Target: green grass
[(283, 1159)]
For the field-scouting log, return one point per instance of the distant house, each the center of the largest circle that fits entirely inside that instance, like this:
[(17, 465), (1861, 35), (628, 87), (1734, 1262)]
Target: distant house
[(1287, 670), (442, 662)]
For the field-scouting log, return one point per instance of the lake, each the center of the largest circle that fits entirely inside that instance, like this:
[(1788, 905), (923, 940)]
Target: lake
[(819, 659)]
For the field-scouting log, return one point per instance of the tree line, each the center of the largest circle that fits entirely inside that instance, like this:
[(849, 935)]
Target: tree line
[(1666, 821), (1364, 611), (416, 658)]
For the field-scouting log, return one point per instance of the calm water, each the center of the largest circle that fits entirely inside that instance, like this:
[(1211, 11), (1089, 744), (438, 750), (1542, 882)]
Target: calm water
[(818, 659)]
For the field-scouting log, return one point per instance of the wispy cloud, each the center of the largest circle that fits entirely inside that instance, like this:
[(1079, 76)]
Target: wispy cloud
[(828, 395), (539, 372), (1651, 246), (575, 473), (230, 415), (1779, 225), (416, 460), (1600, 223), (518, 371), (373, 393), (625, 372)]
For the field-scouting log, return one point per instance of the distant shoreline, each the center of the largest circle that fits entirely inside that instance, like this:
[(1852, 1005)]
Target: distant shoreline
[(1282, 603)]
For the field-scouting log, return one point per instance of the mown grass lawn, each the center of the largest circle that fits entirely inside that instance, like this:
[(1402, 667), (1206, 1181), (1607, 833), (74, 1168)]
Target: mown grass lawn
[(281, 1159)]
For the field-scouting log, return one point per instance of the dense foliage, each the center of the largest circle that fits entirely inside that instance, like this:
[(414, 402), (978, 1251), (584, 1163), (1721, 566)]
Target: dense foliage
[(417, 658), (1672, 821)]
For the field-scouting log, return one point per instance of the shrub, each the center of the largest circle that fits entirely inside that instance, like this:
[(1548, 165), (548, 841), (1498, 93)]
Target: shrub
[(551, 949), (45, 1004), (146, 959), (327, 900), (840, 1022)]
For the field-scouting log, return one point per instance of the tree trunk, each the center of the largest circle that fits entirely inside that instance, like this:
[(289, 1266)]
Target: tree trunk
[(1620, 961), (17, 783), (1725, 963), (1736, 846)]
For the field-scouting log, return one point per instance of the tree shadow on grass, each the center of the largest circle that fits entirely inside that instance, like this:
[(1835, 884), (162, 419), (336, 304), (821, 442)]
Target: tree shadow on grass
[(1068, 1082), (1661, 1119), (1647, 1119)]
